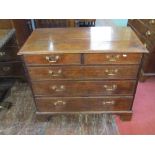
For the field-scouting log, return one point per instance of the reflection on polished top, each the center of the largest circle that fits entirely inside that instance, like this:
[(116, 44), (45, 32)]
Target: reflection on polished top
[(82, 40)]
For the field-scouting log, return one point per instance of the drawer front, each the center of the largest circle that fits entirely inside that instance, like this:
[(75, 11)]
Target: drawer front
[(11, 69), (84, 72), (83, 104), (83, 88), (112, 58), (9, 53), (53, 59)]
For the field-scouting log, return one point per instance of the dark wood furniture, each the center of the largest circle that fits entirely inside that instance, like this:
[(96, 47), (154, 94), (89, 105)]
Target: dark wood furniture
[(11, 66), (145, 30), (83, 70), (53, 23), (23, 28)]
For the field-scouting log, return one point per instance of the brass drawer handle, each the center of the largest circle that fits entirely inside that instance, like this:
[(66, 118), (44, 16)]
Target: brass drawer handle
[(108, 102), (58, 88), (124, 55), (111, 72), (57, 73), (110, 87), (6, 69), (113, 58), (2, 53), (148, 33), (57, 103), (53, 59), (152, 21), (145, 45)]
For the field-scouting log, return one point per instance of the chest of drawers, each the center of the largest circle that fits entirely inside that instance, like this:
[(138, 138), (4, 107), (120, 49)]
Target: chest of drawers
[(11, 66), (145, 30), (83, 70)]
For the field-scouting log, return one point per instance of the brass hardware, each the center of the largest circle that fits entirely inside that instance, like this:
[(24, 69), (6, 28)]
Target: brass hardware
[(59, 103), (52, 73), (2, 53), (152, 21), (145, 45), (58, 88), (110, 87), (125, 55), (148, 33), (108, 102), (6, 68), (113, 58), (111, 72), (52, 59)]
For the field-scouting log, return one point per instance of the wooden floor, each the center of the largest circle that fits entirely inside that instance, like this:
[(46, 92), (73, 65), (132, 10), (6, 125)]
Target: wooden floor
[(20, 119)]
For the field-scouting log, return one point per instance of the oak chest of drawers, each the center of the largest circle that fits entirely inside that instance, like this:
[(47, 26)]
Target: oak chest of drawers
[(145, 30), (83, 70)]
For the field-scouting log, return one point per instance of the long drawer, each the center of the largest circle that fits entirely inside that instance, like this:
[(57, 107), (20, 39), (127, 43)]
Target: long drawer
[(113, 58), (83, 104), (83, 88), (84, 72), (53, 59)]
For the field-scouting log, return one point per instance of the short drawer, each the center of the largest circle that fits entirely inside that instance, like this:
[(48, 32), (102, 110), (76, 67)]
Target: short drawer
[(83, 88), (112, 58), (84, 104), (83, 72), (53, 59), (11, 69)]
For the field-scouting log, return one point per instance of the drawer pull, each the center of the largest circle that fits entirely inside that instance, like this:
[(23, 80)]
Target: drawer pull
[(110, 87), (108, 102), (152, 21), (145, 45), (52, 59), (125, 55), (111, 72), (57, 73), (57, 103), (2, 53), (6, 69), (148, 33), (58, 88), (113, 58)]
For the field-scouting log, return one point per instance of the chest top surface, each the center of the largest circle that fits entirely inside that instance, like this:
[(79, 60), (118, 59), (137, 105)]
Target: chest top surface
[(83, 40)]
